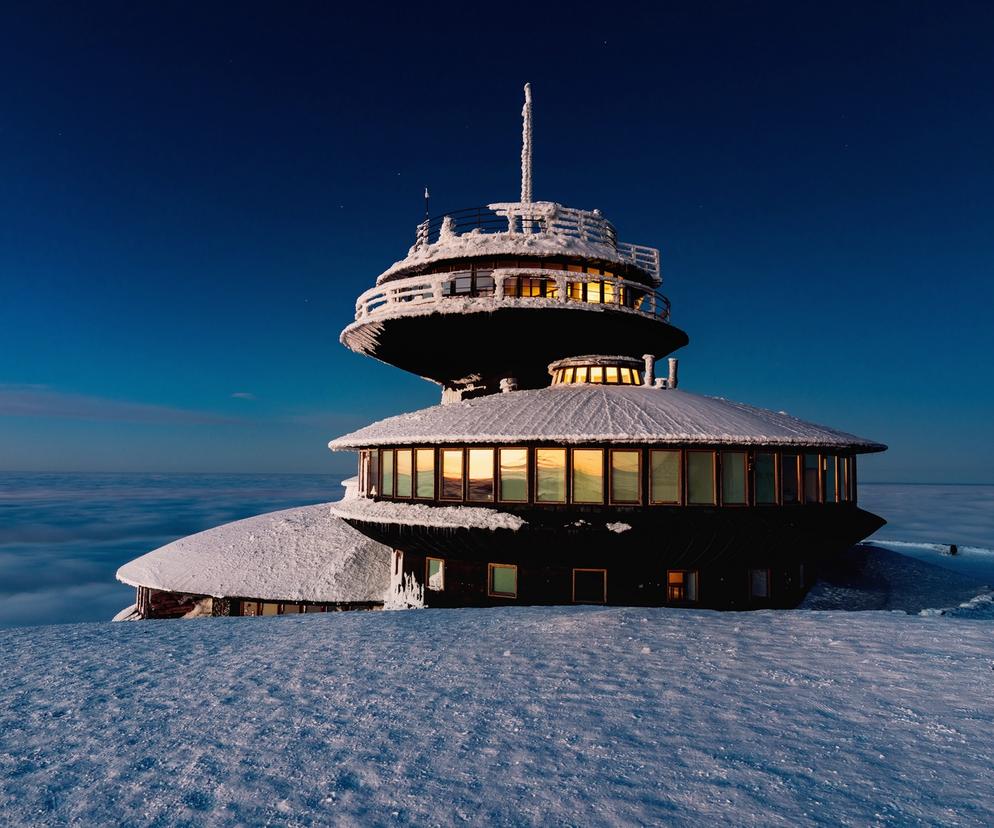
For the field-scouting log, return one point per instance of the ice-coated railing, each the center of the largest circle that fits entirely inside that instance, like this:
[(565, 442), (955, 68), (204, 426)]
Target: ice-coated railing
[(509, 286), (539, 217)]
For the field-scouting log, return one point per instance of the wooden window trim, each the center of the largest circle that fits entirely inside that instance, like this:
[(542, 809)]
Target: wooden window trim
[(428, 561), (490, 581), (589, 569), (714, 476), (415, 471), (498, 491), (396, 474), (572, 474), (393, 473), (441, 474), (679, 482), (610, 478), (746, 488), (493, 473), (566, 476)]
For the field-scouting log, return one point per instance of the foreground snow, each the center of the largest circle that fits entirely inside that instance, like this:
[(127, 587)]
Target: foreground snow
[(538, 716)]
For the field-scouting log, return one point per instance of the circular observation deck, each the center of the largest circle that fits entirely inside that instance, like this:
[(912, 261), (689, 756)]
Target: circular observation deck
[(461, 308)]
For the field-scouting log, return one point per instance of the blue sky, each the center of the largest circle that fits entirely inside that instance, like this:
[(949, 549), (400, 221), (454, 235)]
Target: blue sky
[(193, 195)]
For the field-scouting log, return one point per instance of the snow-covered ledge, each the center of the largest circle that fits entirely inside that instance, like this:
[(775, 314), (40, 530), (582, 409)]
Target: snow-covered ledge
[(419, 514)]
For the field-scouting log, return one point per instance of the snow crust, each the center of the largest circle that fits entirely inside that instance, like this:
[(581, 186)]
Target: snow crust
[(598, 413), (301, 554), (419, 514), (511, 716)]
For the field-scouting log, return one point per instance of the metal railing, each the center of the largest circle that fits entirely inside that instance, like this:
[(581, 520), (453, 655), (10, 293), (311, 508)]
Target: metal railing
[(511, 286)]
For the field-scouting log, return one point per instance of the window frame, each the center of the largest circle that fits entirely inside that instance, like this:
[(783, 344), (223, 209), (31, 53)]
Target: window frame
[(396, 474), (393, 472), (679, 478), (462, 474), (798, 479), (753, 458), (603, 581), (714, 476), (572, 476), (490, 581), (769, 583), (610, 477), (416, 471), (493, 473), (697, 576), (746, 493), (428, 560), (565, 477), (498, 483)]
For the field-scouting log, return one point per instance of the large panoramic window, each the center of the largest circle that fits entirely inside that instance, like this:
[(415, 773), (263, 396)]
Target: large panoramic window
[(481, 475), (435, 574), (404, 472), (831, 492), (766, 478), (502, 581), (451, 474), (812, 473), (588, 475), (626, 476), (513, 478), (700, 477), (664, 476), (386, 473), (681, 585), (733, 478), (589, 586), (550, 475), (789, 482), (424, 461)]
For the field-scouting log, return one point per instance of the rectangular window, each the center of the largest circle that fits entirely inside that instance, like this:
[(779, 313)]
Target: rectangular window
[(481, 475), (424, 460), (502, 581), (451, 474), (581, 374), (626, 476), (404, 472), (766, 478), (681, 585), (435, 574), (514, 474), (270, 609), (568, 376), (733, 478), (611, 375), (831, 492), (700, 477), (812, 473), (374, 473), (759, 583), (845, 475), (664, 476), (363, 470), (588, 475), (789, 481), (589, 586), (291, 609), (386, 473), (550, 475), (597, 374), (250, 608)]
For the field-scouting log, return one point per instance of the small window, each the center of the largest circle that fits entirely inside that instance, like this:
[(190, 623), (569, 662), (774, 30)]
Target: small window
[(513, 474), (250, 608), (291, 609), (425, 463), (386, 473), (733, 478), (789, 473), (269, 608), (481, 475), (759, 583), (451, 474), (589, 586), (831, 491), (503, 581), (588, 475), (626, 476), (766, 478), (310, 609), (700, 478), (550, 475), (435, 574), (681, 585), (812, 473), (664, 476), (404, 472)]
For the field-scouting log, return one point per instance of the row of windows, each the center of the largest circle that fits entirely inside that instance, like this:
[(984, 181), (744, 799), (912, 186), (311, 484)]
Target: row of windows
[(615, 476), (603, 375), (590, 585), (281, 608)]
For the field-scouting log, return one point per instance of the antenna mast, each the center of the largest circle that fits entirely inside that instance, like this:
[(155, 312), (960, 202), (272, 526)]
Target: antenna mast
[(526, 147)]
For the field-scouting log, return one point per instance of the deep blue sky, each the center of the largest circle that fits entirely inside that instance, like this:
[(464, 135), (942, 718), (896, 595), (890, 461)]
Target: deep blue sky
[(192, 195)]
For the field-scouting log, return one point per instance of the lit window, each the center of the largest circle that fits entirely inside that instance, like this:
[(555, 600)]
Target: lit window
[(503, 581), (386, 473), (700, 477), (733, 478), (759, 583), (681, 585), (550, 475), (514, 474), (424, 461), (568, 375), (766, 478), (831, 493), (270, 609), (626, 376), (608, 292), (611, 375), (789, 474), (373, 478), (581, 374), (435, 574), (404, 469), (812, 473), (451, 474), (588, 475), (597, 374), (594, 293), (589, 586), (625, 476), (664, 476), (481, 475), (636, 377)]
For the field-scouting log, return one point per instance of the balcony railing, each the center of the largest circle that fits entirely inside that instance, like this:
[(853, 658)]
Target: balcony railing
[(510, 286)]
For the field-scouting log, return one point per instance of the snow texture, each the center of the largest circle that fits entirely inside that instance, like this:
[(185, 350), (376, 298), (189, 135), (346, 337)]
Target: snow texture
[(302, 554), (419, 514), (509, 716), (597, 413)]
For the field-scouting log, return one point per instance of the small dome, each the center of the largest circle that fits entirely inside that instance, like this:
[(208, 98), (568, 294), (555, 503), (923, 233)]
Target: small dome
[(597, 369)]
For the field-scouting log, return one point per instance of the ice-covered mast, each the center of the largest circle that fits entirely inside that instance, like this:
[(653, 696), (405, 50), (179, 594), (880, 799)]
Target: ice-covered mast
[(526, 147)]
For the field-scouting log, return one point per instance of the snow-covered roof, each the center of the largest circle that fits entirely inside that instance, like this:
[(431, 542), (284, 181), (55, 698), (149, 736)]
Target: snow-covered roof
[(300, 554), (598, 413), (419, 514)]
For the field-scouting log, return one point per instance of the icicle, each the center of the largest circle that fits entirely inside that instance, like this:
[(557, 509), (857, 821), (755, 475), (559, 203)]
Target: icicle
[(526, 147)]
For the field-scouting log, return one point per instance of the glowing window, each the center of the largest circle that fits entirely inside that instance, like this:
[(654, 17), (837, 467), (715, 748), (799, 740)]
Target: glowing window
[(611, 375), (597, 374), (550, 475), (435, 574), (581, 374), (404, 469), (386, 473), (664, 476), (626, 476), (588, 475), (700, 477), (594, 292), (733, 478), (425, 464), (626, 376), (451, 474), (481, 475), (568, 375), (681, 585), (502, 581)]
